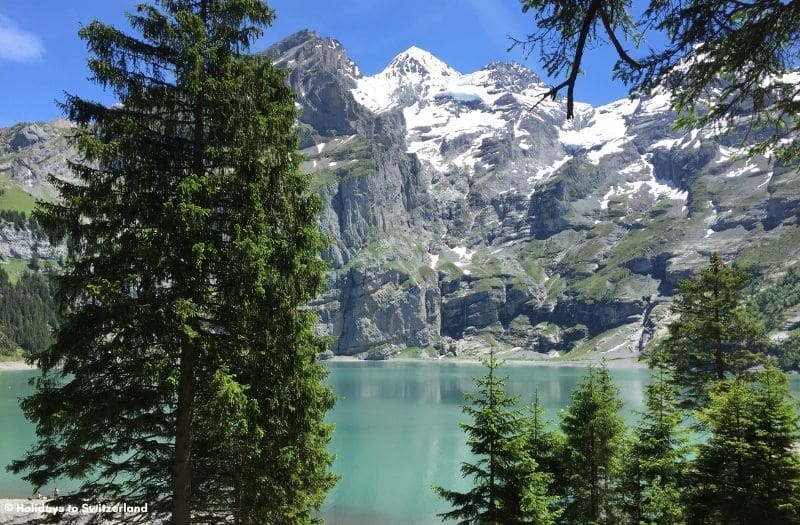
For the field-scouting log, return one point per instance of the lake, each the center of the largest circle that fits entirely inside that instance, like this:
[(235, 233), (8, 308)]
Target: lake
[(396, 433)]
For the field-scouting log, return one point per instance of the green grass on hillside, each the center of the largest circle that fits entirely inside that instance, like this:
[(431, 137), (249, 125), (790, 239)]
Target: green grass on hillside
[(13, 197), (14, 267)]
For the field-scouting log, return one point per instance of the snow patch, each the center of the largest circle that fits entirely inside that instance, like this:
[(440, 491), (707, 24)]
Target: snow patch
[(463, 253), (767, 180), (659, 102), (663, 143), (657, 190), (545, 172), (605, 132), (747, 168)]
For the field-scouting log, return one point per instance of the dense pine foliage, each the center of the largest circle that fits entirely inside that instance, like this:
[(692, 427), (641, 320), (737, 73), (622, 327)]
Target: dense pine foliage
[(509, 488), (714, 336), (27, 313), (777, 307), (184, 371)]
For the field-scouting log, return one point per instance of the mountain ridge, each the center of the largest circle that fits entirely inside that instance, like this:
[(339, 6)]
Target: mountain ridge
[(466, 213)]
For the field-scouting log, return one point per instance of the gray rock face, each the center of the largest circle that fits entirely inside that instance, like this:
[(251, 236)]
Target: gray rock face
[(29, 153), (480, 217), (462, 215)]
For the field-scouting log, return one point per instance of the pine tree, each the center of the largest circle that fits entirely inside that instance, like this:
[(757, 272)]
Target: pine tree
[(714, 336), (594, 433), (656, 458), (546, 447), (508, 487), (184, 373), (748, 471)]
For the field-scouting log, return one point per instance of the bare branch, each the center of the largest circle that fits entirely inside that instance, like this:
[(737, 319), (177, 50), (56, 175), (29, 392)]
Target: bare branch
[(623, 55), (591, 15)]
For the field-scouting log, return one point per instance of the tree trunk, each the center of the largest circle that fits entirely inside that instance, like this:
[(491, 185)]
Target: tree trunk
[(182, 489), (182, 481)]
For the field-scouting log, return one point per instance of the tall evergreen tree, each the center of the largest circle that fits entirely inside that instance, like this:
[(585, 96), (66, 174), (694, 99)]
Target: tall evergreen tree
[(714, 336), (508, 487), (594, 433), (184, 373), (656, 460), (748, 471)]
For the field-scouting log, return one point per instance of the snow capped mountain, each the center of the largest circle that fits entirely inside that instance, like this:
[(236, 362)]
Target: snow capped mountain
[(412, 74), (452, 119), (466, 211)]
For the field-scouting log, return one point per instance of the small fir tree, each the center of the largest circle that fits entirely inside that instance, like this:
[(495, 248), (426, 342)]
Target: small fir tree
[(656, 458), (546, 446), (594, 434), (714, 336), (749, 470), (508, 487)]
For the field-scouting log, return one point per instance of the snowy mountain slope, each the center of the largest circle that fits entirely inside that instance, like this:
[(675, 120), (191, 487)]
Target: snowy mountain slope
[(464, 214), (512, 224)]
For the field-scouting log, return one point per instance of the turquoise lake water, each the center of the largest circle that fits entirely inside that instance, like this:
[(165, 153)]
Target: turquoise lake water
[(396, 431)]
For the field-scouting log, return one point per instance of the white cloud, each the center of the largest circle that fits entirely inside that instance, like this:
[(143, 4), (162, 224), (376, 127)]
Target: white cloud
[(18, 45)]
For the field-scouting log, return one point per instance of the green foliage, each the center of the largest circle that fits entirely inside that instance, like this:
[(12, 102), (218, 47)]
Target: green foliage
[(748, 471), (714, 337), (488, 284), (594, 433), (603, 285), (453, 272), (533, 269), (484, 265), (27, 313), (771, 252), (769, 305), (721, 62), (554, 286), (546, 447), (788, 353), (14, 198), (654, 472), (427, 274), (508, 487), (184, 371)]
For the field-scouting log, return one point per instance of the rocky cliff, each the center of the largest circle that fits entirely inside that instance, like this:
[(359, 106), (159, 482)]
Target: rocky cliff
[(464, 214)]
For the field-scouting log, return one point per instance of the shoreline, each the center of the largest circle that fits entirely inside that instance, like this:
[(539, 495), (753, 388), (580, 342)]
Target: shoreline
[(16, 365), (476, 360), (13, 366)]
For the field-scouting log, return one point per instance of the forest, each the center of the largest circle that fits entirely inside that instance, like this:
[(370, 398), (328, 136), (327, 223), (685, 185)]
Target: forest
[(718, 441)]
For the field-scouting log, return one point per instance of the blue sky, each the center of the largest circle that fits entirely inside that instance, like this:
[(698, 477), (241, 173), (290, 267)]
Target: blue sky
[(41, 55)]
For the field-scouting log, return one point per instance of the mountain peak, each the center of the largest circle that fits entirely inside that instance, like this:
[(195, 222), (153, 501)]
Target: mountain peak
[(420, 62), (292, 41)]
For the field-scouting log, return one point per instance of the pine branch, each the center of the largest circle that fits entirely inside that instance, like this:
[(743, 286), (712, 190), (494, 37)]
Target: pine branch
[(569, 83), (623, 55)]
